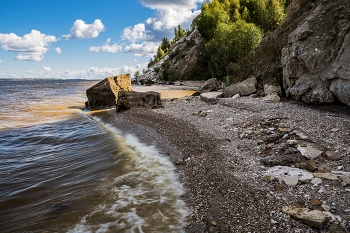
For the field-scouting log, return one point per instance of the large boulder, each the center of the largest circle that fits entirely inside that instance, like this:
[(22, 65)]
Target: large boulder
[(127, 100), (316, 60), (210, 85), (105, 93), (243, 88)]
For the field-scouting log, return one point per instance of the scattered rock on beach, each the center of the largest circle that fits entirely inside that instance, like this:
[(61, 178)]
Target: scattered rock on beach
[(313, 218)]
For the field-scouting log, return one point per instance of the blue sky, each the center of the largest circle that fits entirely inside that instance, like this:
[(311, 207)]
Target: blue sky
[(89, 39)]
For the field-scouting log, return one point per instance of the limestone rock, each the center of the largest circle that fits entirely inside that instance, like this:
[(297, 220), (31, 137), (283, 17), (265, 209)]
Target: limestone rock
[(328, 176), (272, 90), (127, 100), (105, 93), (243, 88), (210, 97), (309, 152), (272, 98), (330, 156), (210, 85), (316, 60), (313, 218), (289, 175), (341, 89)]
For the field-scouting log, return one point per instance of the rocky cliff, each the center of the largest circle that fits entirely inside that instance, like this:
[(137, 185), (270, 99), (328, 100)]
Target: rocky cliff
[(185, 61), (316, 60)]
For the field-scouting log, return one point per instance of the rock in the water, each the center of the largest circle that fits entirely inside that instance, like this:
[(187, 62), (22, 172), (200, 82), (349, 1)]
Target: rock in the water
[(105, 93), (127, 100), (210, 97), (313, 218), (309, 152), (243, 88)]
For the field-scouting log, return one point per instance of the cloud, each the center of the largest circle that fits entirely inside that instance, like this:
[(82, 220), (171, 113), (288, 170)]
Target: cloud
[(106, 47), (58, 50), (170, 13), (81, 30), (133, 34), (145, 49), (30, 47), (133, 69), (2, 61), (46, 69)]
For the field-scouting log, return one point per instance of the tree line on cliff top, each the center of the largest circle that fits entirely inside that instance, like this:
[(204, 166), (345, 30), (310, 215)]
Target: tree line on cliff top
[(232, 29)]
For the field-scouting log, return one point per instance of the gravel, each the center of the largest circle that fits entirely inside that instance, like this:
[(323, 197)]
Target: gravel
[(217, 150)]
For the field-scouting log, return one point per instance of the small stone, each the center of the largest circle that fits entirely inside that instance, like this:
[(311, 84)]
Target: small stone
[(285, 130), (270, 145), (335, 130), (340, 167), (268, 178), (260, 142), (291, 181), (213, 223), (316, 181), (346, 179), (324, 168), (292, 142), (280, 187), (307, 167), (273, 221), (313, 218), (301, 135), (309, 152), (328, 176), (325, 207), (235, 96), (315, 202), (329, 155)]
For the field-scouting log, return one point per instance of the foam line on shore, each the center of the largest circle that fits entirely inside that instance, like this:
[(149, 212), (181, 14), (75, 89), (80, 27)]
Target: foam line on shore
[(144, 197)]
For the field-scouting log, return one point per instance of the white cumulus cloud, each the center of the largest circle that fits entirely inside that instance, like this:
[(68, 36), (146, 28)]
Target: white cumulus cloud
[(81, 30), (145, 49), (46, 69), (58, 50), (106, 47), (2, 61), (30, 47), (135, 33)]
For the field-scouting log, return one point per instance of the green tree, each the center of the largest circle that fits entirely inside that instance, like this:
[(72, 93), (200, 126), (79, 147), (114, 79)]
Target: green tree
[(212, 15), (137, 74), (165, 45), (231, 43)]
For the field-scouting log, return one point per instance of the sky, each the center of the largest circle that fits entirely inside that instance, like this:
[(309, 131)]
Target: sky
[(85, 39)]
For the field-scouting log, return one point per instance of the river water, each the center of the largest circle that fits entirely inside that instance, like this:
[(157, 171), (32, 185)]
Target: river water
[(64, 169)]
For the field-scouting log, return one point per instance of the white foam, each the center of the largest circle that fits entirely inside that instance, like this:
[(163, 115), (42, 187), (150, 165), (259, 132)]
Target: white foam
[(146, 197)]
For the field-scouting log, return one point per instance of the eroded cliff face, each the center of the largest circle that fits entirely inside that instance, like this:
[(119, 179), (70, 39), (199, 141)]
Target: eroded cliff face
[(183, 62), (316, 61)]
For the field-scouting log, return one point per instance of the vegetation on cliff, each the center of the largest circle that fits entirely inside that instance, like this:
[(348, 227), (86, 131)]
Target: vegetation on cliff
[(238, 39)]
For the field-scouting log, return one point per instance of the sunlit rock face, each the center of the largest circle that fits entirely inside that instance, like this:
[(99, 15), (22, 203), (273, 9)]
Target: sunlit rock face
[(316, 67), (105, 93)]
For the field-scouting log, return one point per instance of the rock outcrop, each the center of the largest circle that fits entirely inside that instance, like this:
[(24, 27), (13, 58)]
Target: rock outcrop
[(183, 62), (116, 91), (127, 100), (105, 93), (316, 67), (243, 88)]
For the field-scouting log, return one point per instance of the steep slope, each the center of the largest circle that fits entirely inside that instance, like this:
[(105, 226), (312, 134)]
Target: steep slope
[(185, 61)]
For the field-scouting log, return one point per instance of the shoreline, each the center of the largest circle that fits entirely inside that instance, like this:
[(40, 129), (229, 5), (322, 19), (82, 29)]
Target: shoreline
[(221, 170)]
